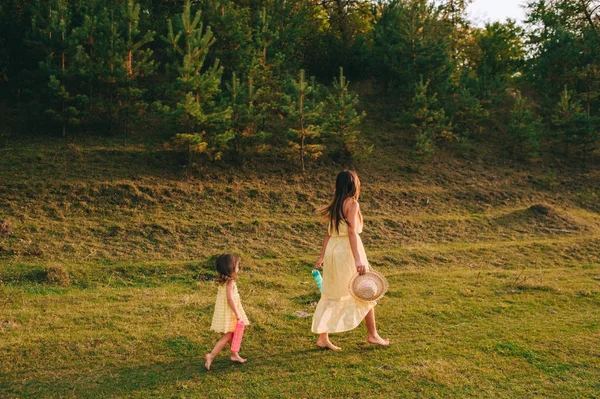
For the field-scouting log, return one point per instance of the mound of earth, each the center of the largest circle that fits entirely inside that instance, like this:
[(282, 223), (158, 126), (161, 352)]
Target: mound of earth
[(541, 217)]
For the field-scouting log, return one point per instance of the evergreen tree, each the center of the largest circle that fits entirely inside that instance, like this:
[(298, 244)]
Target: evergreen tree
[(348, 24), (430, 125), (524, 130), (564, 38), (57, 34), (409, 42), (17, 59), (342, 121), (469, 117), (454, 14), (589, 70), (232, 27), (138, 62), (305, 111), (197, 89), (299, 28), (573, 126), (265, 76), (245, 120), (500, 56)]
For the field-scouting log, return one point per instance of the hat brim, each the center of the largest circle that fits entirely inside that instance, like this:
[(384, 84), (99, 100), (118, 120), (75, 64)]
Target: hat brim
[(358, 282)]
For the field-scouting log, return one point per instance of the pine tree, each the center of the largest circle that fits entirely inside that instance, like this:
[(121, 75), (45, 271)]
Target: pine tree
[(564, 36), (430, 124), (342, 121), (348, 22), (264, 71), (408, 42), (196, 88), (500, 55), (244, 120), (305, 111), (524, 129), (231, 25), (589, 71), (138, 62), (573, 126), (454, 14), (59, 40), (469, 117)]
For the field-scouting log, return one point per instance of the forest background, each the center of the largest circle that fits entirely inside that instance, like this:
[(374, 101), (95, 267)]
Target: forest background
[(238, 80)]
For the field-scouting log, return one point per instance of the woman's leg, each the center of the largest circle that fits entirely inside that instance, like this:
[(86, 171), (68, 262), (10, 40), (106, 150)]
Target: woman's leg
[(324, 342), (374, 337), (218, 348)]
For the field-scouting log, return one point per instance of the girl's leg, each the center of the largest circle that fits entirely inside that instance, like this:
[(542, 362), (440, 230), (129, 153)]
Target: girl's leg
[(324, 342), (235, 357), (218, 348), (374, 337)]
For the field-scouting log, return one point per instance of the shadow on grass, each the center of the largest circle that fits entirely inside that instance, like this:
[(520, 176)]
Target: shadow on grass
[(114, 382), (124, 381)]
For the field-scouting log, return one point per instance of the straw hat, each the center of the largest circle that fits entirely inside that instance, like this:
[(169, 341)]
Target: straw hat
[(370, 286)]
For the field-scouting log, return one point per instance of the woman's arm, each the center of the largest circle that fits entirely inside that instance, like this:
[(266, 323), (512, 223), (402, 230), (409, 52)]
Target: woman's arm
[(352, 215), (319, 264), (230, 301)]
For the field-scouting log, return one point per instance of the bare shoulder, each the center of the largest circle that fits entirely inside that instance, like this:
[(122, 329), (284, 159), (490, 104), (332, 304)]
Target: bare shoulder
[(351, 206)]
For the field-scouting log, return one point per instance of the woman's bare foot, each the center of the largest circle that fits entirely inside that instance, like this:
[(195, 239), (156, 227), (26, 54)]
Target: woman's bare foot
[(327, 345), (378, 341), (237, 358), (209, 359)]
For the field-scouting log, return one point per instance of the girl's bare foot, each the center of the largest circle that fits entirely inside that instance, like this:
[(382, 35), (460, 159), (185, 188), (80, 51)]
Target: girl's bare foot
[(209, 359), (237, 358), (327, 345), (378, 341)]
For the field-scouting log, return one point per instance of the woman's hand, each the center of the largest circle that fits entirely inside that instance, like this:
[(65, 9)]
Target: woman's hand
[(361, 268), (319, 264)]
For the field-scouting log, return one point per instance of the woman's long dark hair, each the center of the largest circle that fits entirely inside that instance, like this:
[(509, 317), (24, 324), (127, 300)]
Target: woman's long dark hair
[(347, 185)]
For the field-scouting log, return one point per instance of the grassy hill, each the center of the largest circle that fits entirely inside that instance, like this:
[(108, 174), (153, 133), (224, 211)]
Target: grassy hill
[(107, 279)]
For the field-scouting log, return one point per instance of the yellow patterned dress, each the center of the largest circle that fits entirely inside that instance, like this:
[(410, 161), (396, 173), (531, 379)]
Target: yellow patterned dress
[(338, 310), (224, 320)]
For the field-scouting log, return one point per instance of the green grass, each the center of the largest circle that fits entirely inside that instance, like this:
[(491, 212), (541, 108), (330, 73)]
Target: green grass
[(455, 332), (494, 277)]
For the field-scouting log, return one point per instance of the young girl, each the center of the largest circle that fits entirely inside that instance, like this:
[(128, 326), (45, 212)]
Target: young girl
[(228, 307)]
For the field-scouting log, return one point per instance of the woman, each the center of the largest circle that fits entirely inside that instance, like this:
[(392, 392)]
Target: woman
[(342, 256)]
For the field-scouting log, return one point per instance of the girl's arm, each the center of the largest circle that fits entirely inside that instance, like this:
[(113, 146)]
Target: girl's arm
[(319, 264), (353, 222), (230, 301)]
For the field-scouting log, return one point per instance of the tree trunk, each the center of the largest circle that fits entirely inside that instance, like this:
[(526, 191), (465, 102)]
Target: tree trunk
[(588, 15), (130, 63), (589, 88), (302, 151), (127, 110), (64, 123)]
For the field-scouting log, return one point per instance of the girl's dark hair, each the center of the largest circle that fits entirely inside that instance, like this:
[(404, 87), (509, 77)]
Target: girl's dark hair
[(226, 264), (347, 185)]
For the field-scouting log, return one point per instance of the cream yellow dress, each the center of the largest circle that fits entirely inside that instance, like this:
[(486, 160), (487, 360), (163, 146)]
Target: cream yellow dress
[(224, 319), (337, 310)]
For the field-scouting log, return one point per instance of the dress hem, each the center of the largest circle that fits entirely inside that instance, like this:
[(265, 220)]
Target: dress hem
[(246, 324), (371, 306)]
